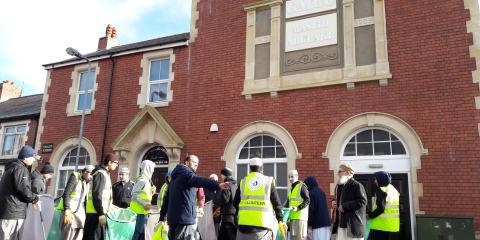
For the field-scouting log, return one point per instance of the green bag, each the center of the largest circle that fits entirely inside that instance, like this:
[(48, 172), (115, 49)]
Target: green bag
[(286, 214), (120, 224), (55, 232)]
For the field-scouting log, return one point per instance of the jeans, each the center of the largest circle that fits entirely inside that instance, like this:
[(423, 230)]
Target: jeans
[(139, 233)]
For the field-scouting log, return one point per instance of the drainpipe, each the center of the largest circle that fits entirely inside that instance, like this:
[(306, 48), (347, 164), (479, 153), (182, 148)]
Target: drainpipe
[(36, 131), (107, 107)]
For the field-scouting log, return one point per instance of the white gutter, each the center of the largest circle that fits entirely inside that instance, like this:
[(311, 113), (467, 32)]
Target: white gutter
[(128, 52)]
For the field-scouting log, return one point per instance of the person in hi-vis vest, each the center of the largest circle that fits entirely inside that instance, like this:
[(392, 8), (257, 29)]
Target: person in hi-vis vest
[(99, 199), (298, 201), (385, 215), (72, 204), (163, 190), (258, 205), (141, 197)]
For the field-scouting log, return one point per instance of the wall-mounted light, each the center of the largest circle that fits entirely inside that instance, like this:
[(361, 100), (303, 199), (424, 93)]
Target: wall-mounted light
[(122, 153), (213, 128)]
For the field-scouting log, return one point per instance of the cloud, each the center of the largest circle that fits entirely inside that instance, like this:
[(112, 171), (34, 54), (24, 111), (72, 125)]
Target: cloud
[(33, 33)]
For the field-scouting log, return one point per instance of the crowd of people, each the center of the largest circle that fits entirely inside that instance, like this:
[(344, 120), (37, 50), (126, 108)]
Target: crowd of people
[(250, 209)]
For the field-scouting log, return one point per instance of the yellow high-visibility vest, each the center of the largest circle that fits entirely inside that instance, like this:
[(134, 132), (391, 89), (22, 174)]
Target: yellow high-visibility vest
[(161, 197), (106, 196), (145, 195), (389, 220), (76, 196), (294, 200), (255, 208)]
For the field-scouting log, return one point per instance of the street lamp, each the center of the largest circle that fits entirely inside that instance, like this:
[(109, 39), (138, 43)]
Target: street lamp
[(73, 52)]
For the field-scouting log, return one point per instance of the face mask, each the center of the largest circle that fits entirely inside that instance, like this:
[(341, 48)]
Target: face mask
[(342, 180)]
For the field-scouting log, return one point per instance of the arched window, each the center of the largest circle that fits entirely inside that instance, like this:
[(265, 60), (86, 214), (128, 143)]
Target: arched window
[(274, 157), (67, 166), (374, 142)]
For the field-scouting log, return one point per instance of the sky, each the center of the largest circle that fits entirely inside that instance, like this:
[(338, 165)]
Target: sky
[(33, 33)]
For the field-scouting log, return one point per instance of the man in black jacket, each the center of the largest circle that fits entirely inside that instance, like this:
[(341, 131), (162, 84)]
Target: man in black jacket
[(122, 190), (181, 197), (40, 178), (99, 199), (351, 206), (16, 194), (224, 200)]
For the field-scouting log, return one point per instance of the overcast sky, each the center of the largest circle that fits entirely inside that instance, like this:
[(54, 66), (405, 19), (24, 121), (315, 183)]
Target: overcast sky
[(33, 33)]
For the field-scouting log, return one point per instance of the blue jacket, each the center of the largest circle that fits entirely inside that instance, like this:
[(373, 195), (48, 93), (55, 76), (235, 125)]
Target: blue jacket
[(317, 211), (180, 206)]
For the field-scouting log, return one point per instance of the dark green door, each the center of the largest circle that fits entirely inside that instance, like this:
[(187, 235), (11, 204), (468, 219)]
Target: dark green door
[(400, 182)]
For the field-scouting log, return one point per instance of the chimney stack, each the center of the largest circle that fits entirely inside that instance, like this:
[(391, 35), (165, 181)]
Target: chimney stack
[(109, 40), (8, 90)]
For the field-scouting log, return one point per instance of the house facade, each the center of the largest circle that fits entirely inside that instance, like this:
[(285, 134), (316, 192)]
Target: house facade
[(304, 85), (18, 121)]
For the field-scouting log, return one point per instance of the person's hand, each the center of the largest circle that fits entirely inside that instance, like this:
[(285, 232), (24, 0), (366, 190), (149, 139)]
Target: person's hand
[(294, 209), (37, 207), (147, 207), (224, 185), (340, 209), (68, 217), (102, 220), (334, 204), (217, 212)]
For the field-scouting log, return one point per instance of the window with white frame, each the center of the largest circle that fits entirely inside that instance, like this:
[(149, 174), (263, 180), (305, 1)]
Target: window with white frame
[(274, 157), (158, 80), (67, 166), (13, 139), (374, 142), (85, 90)]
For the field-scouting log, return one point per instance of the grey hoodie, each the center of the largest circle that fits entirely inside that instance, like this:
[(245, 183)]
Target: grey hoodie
[(144, 183)]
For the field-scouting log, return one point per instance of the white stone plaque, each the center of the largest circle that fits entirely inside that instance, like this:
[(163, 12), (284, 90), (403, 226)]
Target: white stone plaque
[(311, 32), (295, 8)]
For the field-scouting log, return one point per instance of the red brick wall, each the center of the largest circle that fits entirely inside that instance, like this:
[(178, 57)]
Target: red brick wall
[(431, 89), (32, 128)]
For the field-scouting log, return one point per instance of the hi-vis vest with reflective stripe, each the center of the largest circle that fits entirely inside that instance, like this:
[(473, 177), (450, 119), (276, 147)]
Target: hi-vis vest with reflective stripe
[(389, 220), (106, 193), (294, 200), (145, 194), (161, 197), (76, 196), (255, 208)]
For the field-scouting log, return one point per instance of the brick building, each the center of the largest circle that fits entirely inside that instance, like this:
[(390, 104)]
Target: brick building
[(305, 85), (18, 121)]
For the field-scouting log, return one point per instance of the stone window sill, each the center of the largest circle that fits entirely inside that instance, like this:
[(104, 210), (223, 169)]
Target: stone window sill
[(316, 79)]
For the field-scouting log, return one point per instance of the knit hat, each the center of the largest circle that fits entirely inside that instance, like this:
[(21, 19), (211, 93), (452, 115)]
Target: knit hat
[(346, 168), (124, 170), (226, 171), (26, 152), (47, 169), (383, 178)]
